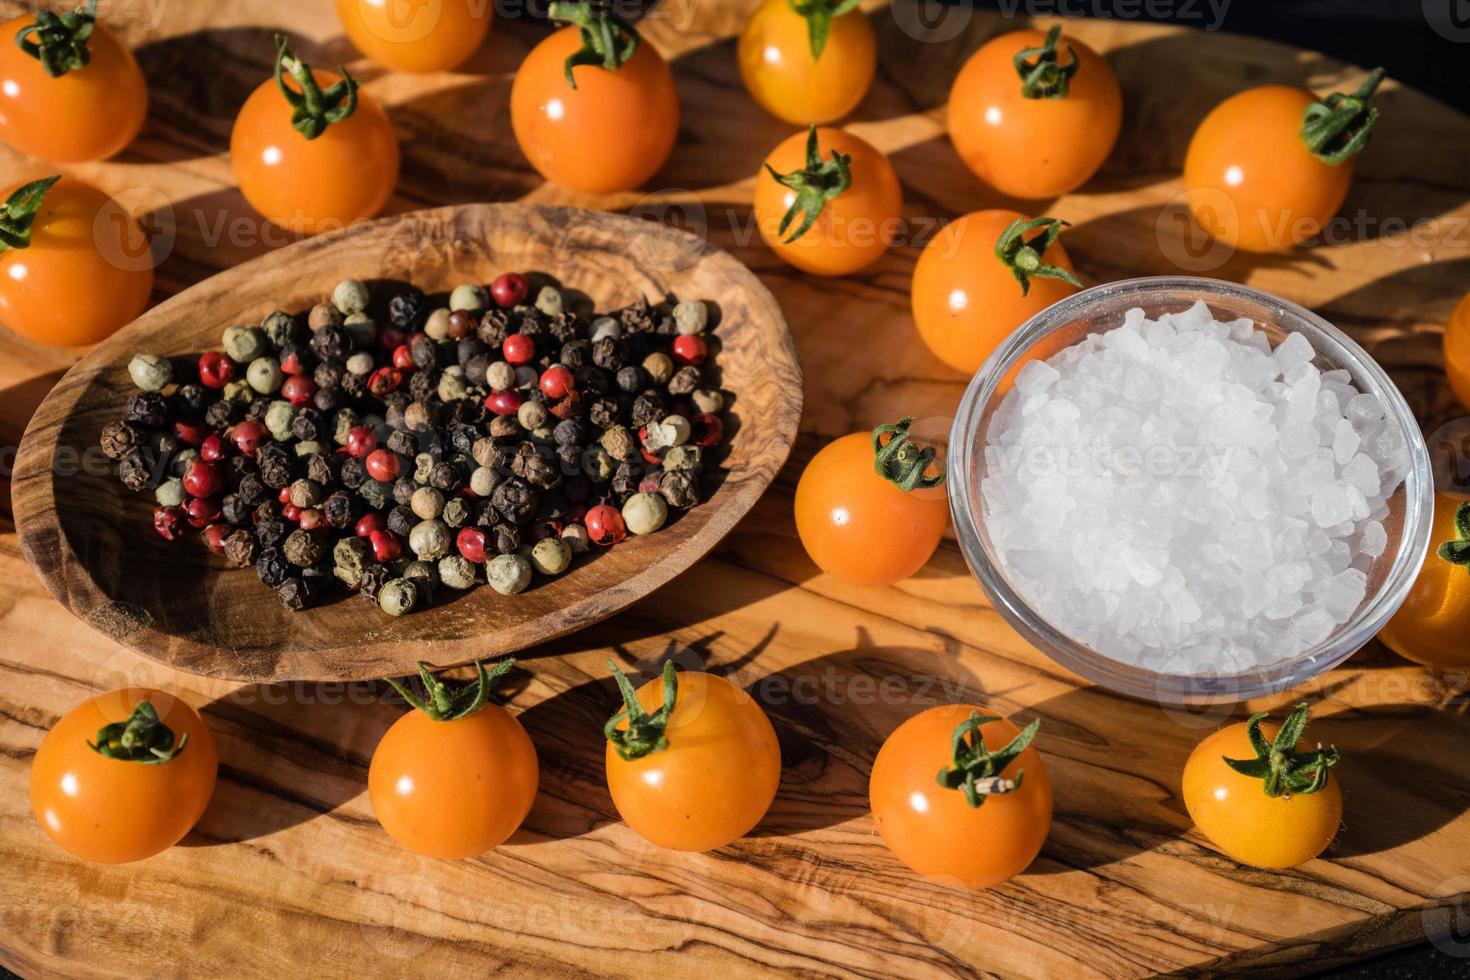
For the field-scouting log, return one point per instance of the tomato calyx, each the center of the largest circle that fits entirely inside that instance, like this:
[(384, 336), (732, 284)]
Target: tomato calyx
[(1283, 770), (441, 703), (18, 212), (976, 771), (815, 184), (900, 461), (59, 43), (142, 738), (1457, 552), (819, 15), (313, 110), (608, 41), (1046, 77), (1339, 126), (1023, 257), (645, 733)]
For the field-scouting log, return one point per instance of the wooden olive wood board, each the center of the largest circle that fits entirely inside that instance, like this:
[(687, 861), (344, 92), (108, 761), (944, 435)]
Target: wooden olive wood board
[(288, 872), (93, 543)]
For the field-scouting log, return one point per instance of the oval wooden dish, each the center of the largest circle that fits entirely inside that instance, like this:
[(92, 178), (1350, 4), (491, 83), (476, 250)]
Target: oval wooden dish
[(92, 542)]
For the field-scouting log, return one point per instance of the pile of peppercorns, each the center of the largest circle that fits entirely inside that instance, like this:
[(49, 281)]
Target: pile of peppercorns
[(397, 447)]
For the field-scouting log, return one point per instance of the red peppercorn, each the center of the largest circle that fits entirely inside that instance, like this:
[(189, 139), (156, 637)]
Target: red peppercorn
[(202, 479), (690, 349), (212, 449), (518, 349), (298, 389), (605, 525), (390, 338), (214, 537), (383, 381), (191, 433), (368, 523), (168, 522), (284, 495), (651, 482), (385, 545), (471, 544), (361, 440), (202, 511), (542, 530), (569, 406), (706, 430), (291, 362), (503, 402), (556, 382), (509, 288), (403, 357), (461, 324), (383, 465), (291, 513), (215, 369), (249, 435), (311, 518)]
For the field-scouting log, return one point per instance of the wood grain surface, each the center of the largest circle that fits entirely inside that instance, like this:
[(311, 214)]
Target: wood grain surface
[(92, 540), (288, 873)]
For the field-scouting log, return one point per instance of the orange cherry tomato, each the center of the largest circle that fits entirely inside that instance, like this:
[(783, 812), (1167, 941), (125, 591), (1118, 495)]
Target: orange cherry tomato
[(457, 775), (1250, 177), (1457, 351), (987, 821), (1238, 814), (830, 217), (698, 776), (141, 793), (1040, 130), (1432, 625), (87, 112), (85, 272), (414, 35), (613, 130), (967, 298), (344, 173), (793, 82), (863, 527)]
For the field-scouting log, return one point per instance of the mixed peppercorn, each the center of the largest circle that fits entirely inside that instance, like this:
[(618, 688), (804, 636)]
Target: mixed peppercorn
[(395, 446)]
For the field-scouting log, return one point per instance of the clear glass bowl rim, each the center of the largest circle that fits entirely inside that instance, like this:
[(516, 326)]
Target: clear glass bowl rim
[(1331, 344)]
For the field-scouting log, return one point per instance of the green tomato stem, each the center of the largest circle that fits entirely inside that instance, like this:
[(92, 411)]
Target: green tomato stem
[(60, 43), (19, 211), (443, 703), (142, 738), (815, 184), (819, 15), (646, 733), (1023, 257), (608, 41), (1283, 771), (1339, 126), (312, 109), (1046, 77), (976, 771), (900, 461), (1457, 552)]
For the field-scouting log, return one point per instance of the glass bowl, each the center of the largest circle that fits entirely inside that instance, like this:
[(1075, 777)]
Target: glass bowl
[(1102, 308)]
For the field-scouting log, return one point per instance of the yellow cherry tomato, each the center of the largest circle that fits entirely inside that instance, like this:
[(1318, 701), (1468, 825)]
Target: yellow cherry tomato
[(416, 35), (812, 67), (830, 217), (74, 265), (692, 761), (1034, 115), (56, 106), (1270, 166), (1457, 351), (986, 816), (1432, 625), (334, 165), (1282, 811)]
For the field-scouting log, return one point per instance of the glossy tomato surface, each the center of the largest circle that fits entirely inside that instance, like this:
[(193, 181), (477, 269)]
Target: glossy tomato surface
[(780, 73), (1235, 813), (89, 113), (1251, 181), (1431, 626), (308, 186), (933, 829), (1033, 147), (716, 778), (966, 300), (415, 35), (611, 133), (453, 789), (1457, 351), (860, 527), (114, 810), (854, 229), (87, 271)]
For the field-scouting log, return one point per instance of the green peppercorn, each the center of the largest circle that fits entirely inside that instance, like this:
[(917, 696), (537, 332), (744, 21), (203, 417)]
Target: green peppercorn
[(597, 464), (429, 540), (457, 572), (151, 372), (265, 375), (691, 317), (179, 465), (278, 418), (551, 556), (619, 443), (436, 327), (306, 493), (343, 423), (423, 465), (468, 297), (457, 512), (350, 296), (350, 560), (549, 301), (685, 457), (508, 574), (244, 343), (645, 513), (672, 431), (310, 448), (238, 390), (452, 385), (170, 492), (427, 503), (362, 328), (398, 596)]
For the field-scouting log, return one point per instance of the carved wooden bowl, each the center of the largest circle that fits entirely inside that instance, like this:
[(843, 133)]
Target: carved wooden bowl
[(92, 542)]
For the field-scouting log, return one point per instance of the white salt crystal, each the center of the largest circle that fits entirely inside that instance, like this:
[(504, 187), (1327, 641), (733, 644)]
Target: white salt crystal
[(1374, 539), (1361, 472), (1294, 351), (1363, 408), (1345, 442), (1330, 505), (1297, 440), (1036, 377)]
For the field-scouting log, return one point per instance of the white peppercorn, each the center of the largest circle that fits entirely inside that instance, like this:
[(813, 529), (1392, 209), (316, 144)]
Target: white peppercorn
[(645, 513), (577, 538), (150, 372), (549, 301), (427, 503), (508, 574), (361, 363), (323, 315), (672, 431), (551, 556), (265, 375), (436, 327), (708, 401), (468, 297), (398, 596), (170, 492), (350, 296), (531, 415), (452, 384), (362, 328), (483, 481), (605, 328), (244, 344), (429, 540), (500, 376), (691, 317), (457, 572), (660, 367)]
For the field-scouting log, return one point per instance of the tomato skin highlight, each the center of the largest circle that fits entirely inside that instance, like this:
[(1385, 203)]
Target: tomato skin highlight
[(779, 73), (89, 113), (1237, 816), (112, 810), (433, 37), (86, 272), (453, 789), (933, 829), (611, 133), (1033, 148), (715, 780), (1431, 626)]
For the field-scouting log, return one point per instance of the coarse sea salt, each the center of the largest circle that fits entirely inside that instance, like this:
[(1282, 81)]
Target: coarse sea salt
[(1179, 496)]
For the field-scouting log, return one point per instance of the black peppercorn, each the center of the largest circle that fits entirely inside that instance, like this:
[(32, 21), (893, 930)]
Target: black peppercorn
[(374, 577), (607, 354), (407, 310), (257, 408), (189, 401), (149, 409), (375, 493), (401, 520), (633, 379), (138, 471), (542, 472), (532, 324), (505, 539), (570, 432), (223, 414), (423, 352), (322, 468), (298, 354), (299, 593), (403, 490), (468, 349), (310, 425), (624, 481), (494, 328), (463, 438), (331, 342), (421, 416), (119, 439), (680, 488), (515, 500), (353, 474), (577, 488), (595, 381), (354, 385), (648, 408), (302, 548), (340, 509), (569, 458), (446, 476), (475, 368), (329, 373), (403, 443), (271, 531), (233, 510), (564, 326), (271, 566), (421, 386), (239, 547), (505, 429), (686, 380), (277, 467), (603, 413), (396, 399), (265, 510), (638, 317), (329, 399)]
